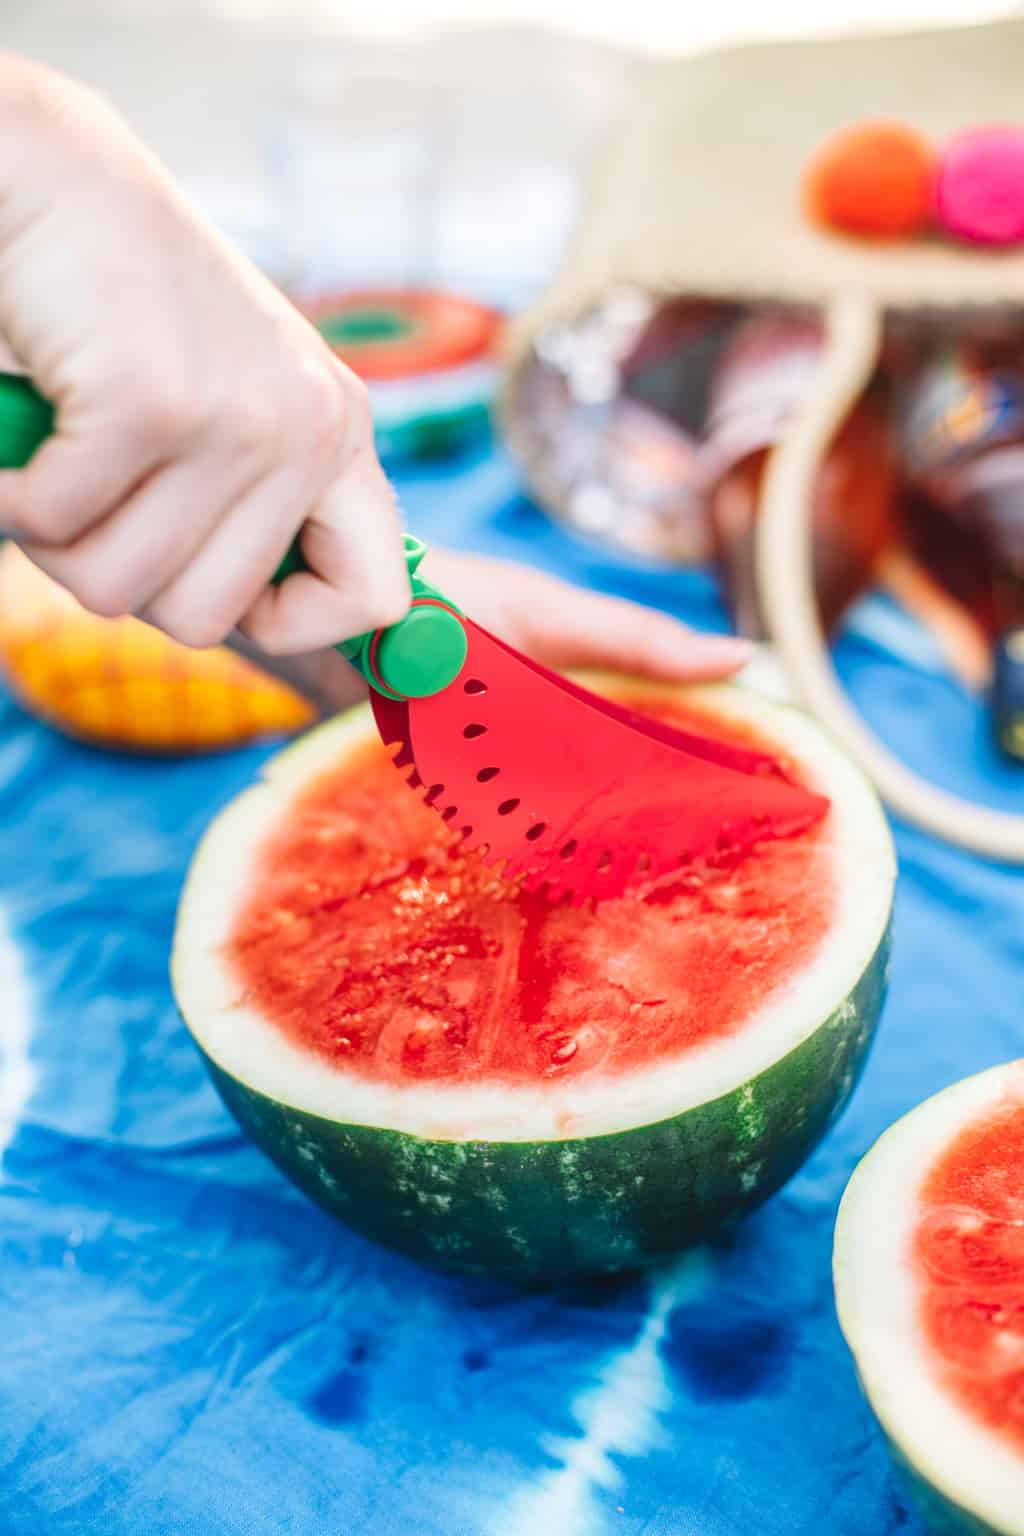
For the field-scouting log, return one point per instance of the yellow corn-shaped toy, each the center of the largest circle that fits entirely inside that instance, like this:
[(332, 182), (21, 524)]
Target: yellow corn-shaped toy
[(121, 684)]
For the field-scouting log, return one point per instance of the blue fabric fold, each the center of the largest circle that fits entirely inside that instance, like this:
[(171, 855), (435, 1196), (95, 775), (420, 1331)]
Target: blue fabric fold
[(189, 1348)]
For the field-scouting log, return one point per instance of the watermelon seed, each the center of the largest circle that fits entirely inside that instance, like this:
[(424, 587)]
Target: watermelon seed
[(448, 812), (472, 731), (569, 849), (487, 774), (643, 863), (475, 686), (604, 863), (507, 807), (434, 793), (537, 831)]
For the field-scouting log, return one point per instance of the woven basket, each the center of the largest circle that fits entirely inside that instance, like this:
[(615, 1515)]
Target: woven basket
[(698, 194)]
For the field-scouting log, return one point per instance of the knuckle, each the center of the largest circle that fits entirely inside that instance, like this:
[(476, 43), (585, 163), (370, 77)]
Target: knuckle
[(38, 92), (165, 418), (103, 591), (326, 419), (50, 504), (45, 509), (31, 519), (256, 427)]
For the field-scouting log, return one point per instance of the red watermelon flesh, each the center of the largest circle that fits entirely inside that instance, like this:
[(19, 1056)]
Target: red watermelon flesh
[(968, 1249), (370, 940)]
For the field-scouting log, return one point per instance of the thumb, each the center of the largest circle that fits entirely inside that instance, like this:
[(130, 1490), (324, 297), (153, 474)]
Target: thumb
[(566, 626)]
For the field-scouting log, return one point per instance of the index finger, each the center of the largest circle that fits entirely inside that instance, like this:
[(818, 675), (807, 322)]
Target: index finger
[(356, 579)]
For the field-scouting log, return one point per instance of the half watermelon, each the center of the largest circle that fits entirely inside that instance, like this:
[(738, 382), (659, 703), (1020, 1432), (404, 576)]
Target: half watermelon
[(486, 1082), (929, 1273)]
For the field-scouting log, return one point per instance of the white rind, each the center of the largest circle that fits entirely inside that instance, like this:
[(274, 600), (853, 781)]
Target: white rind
[(876, 1297), (255, 1052)]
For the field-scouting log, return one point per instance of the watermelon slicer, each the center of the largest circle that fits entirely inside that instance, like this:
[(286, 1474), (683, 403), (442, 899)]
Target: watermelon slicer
[(576, 794)]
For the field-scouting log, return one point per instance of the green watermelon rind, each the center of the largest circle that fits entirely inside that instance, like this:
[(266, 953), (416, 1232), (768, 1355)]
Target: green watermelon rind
[(551, 1207), (548, 1209), (939, 1515)]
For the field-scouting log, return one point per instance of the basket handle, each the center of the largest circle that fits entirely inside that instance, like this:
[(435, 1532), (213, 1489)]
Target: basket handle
[(853, 329)]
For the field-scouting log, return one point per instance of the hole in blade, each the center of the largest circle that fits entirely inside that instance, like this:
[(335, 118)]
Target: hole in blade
[(569, 849), (537, 831), (507, 807), (471, 732), (433, 793), (474, 685), (486, 775)]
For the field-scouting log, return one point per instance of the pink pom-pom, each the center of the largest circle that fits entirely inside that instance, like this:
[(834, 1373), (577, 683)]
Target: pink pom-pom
[(979, 194)]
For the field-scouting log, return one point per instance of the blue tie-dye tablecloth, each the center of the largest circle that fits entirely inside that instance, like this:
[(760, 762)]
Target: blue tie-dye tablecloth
[(188, 1348)]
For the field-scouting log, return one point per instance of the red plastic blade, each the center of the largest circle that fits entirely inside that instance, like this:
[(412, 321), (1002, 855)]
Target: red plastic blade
[(576, 793)]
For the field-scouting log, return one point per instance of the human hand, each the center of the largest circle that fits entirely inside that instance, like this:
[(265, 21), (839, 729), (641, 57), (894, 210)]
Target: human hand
[(201, 421), (561, 625)]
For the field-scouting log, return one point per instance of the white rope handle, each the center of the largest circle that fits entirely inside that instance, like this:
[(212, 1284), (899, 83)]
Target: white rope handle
[(784, 573)]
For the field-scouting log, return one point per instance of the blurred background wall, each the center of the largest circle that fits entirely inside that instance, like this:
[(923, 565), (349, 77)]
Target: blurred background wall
[(428, 139)]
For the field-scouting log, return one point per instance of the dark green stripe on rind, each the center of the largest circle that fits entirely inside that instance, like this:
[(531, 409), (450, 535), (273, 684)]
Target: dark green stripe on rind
[(551, 1208), (547, 1209)]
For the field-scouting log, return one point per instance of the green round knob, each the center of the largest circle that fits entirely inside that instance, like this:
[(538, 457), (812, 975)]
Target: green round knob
[(423, 653)]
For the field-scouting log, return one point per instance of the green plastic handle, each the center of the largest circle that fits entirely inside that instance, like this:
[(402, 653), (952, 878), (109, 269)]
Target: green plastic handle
[(417, 657)]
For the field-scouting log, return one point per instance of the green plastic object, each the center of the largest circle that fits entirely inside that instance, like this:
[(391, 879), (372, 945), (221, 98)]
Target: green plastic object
[(418, 656), (26, 420), (421, 654)]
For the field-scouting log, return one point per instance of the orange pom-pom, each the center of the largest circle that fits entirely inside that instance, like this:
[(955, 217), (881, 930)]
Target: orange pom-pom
[(872, 179), (118, 683)]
